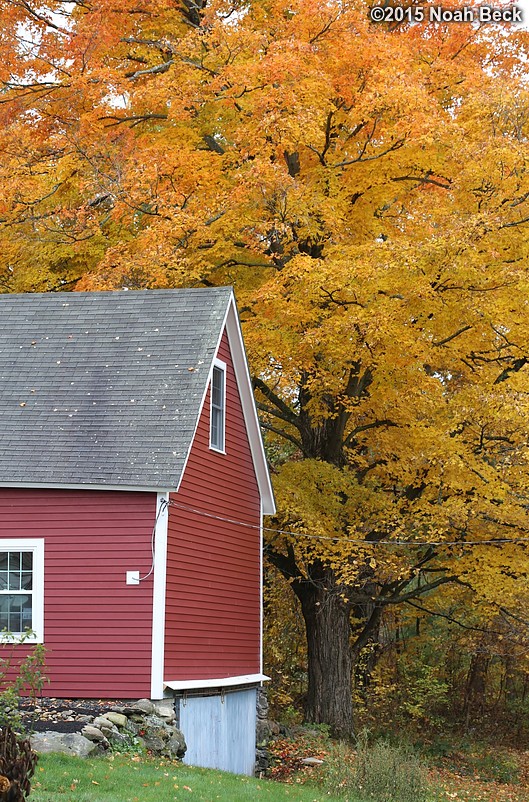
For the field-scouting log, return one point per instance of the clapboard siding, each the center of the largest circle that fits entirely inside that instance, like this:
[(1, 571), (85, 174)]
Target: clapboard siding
[(97, 629), (213, 567)]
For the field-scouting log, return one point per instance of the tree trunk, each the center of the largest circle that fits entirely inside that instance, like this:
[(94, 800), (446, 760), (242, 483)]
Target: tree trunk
[(476, 686), (329, 657)]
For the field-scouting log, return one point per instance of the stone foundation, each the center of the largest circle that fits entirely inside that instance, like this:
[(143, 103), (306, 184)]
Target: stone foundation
[(263, 734), (143, 724)]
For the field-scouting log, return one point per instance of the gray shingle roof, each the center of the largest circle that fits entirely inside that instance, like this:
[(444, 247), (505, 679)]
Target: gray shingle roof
[(104, 388)]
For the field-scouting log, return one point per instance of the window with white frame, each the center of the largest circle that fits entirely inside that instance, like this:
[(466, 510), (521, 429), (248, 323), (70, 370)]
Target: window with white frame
[(22, 587), (218, 406)]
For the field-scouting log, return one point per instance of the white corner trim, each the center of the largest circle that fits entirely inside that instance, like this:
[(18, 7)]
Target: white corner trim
[(244, 383), (233, 329), (158, 595), (223, 682), (261, 588)]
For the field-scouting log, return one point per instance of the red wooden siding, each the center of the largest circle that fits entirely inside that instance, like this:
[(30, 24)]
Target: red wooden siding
[(213, 567), (97, 629)]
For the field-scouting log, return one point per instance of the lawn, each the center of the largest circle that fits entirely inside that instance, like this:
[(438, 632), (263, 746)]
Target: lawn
[(125, 778), (121, 778)]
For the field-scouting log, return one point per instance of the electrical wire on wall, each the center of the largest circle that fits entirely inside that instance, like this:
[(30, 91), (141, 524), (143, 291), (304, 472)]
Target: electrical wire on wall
[(164, 503)]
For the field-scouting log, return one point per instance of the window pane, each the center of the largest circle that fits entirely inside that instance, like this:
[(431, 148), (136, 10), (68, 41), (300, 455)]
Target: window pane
[(14, 580), (3, 560), (27, 560), (217, 387), (27, 581), (27, 610), (3, 580), (14, 561), (16, 612), (215, 426)]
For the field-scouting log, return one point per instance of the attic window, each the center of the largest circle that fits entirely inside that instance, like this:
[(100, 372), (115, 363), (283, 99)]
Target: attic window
[(22, 587), (218, 406)]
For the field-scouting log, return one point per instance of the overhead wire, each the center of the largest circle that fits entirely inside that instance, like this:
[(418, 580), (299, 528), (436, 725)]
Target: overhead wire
[(340, 539)]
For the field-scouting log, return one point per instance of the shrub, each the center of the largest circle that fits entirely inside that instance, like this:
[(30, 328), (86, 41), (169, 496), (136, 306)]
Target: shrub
[(380, 772), (17, 765), (19, 675)]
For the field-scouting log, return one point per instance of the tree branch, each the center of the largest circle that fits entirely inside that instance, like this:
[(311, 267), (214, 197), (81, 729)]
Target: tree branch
[(452, 620), (364, 427), (395, 146), (419, 591), (283, 434), (517, 365), (424, 180), (278, 402), (452, 336), (35, 14), (134, 119), (157, 69)]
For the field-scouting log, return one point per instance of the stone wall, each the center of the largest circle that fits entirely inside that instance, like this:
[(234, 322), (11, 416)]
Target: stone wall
[(263, 734), (143, 725)]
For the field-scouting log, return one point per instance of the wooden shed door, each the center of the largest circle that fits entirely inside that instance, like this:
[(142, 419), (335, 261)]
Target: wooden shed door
[(220, 730)]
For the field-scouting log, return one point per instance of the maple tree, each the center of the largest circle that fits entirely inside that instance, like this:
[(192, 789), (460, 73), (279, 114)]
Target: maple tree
[(365, 189)]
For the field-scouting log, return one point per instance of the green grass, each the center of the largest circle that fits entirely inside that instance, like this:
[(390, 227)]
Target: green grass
[(122, 778)]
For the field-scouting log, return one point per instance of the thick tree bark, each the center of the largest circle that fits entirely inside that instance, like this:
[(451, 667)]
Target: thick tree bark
[(329, 657), (333, 649)]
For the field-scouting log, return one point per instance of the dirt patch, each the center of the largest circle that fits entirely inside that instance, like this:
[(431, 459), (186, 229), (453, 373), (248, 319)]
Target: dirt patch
[(64, 715)]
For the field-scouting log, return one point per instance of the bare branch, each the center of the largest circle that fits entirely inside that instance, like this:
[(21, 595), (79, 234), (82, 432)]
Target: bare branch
[(331, 298), (156, 70), (452, 619), (213, 145), (517, 365), (374, 425), (516, 223), (159, 44), (325, 28), (283, 434), (35, 14), (452, 336), (419, 591), (424, 180), (133, 119), (288, 413), (271, 411), (395, 146)]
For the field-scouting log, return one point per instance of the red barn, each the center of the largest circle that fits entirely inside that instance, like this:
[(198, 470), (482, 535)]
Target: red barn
[(133, 482)]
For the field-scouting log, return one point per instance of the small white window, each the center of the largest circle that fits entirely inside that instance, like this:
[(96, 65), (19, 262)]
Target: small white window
[(22, 587), (218, 406)]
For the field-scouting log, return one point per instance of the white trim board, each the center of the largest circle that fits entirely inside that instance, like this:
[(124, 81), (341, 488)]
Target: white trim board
[(158, 595), (232, 327), (223, 682), (244, 383), (86, 486), (261, 589)]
